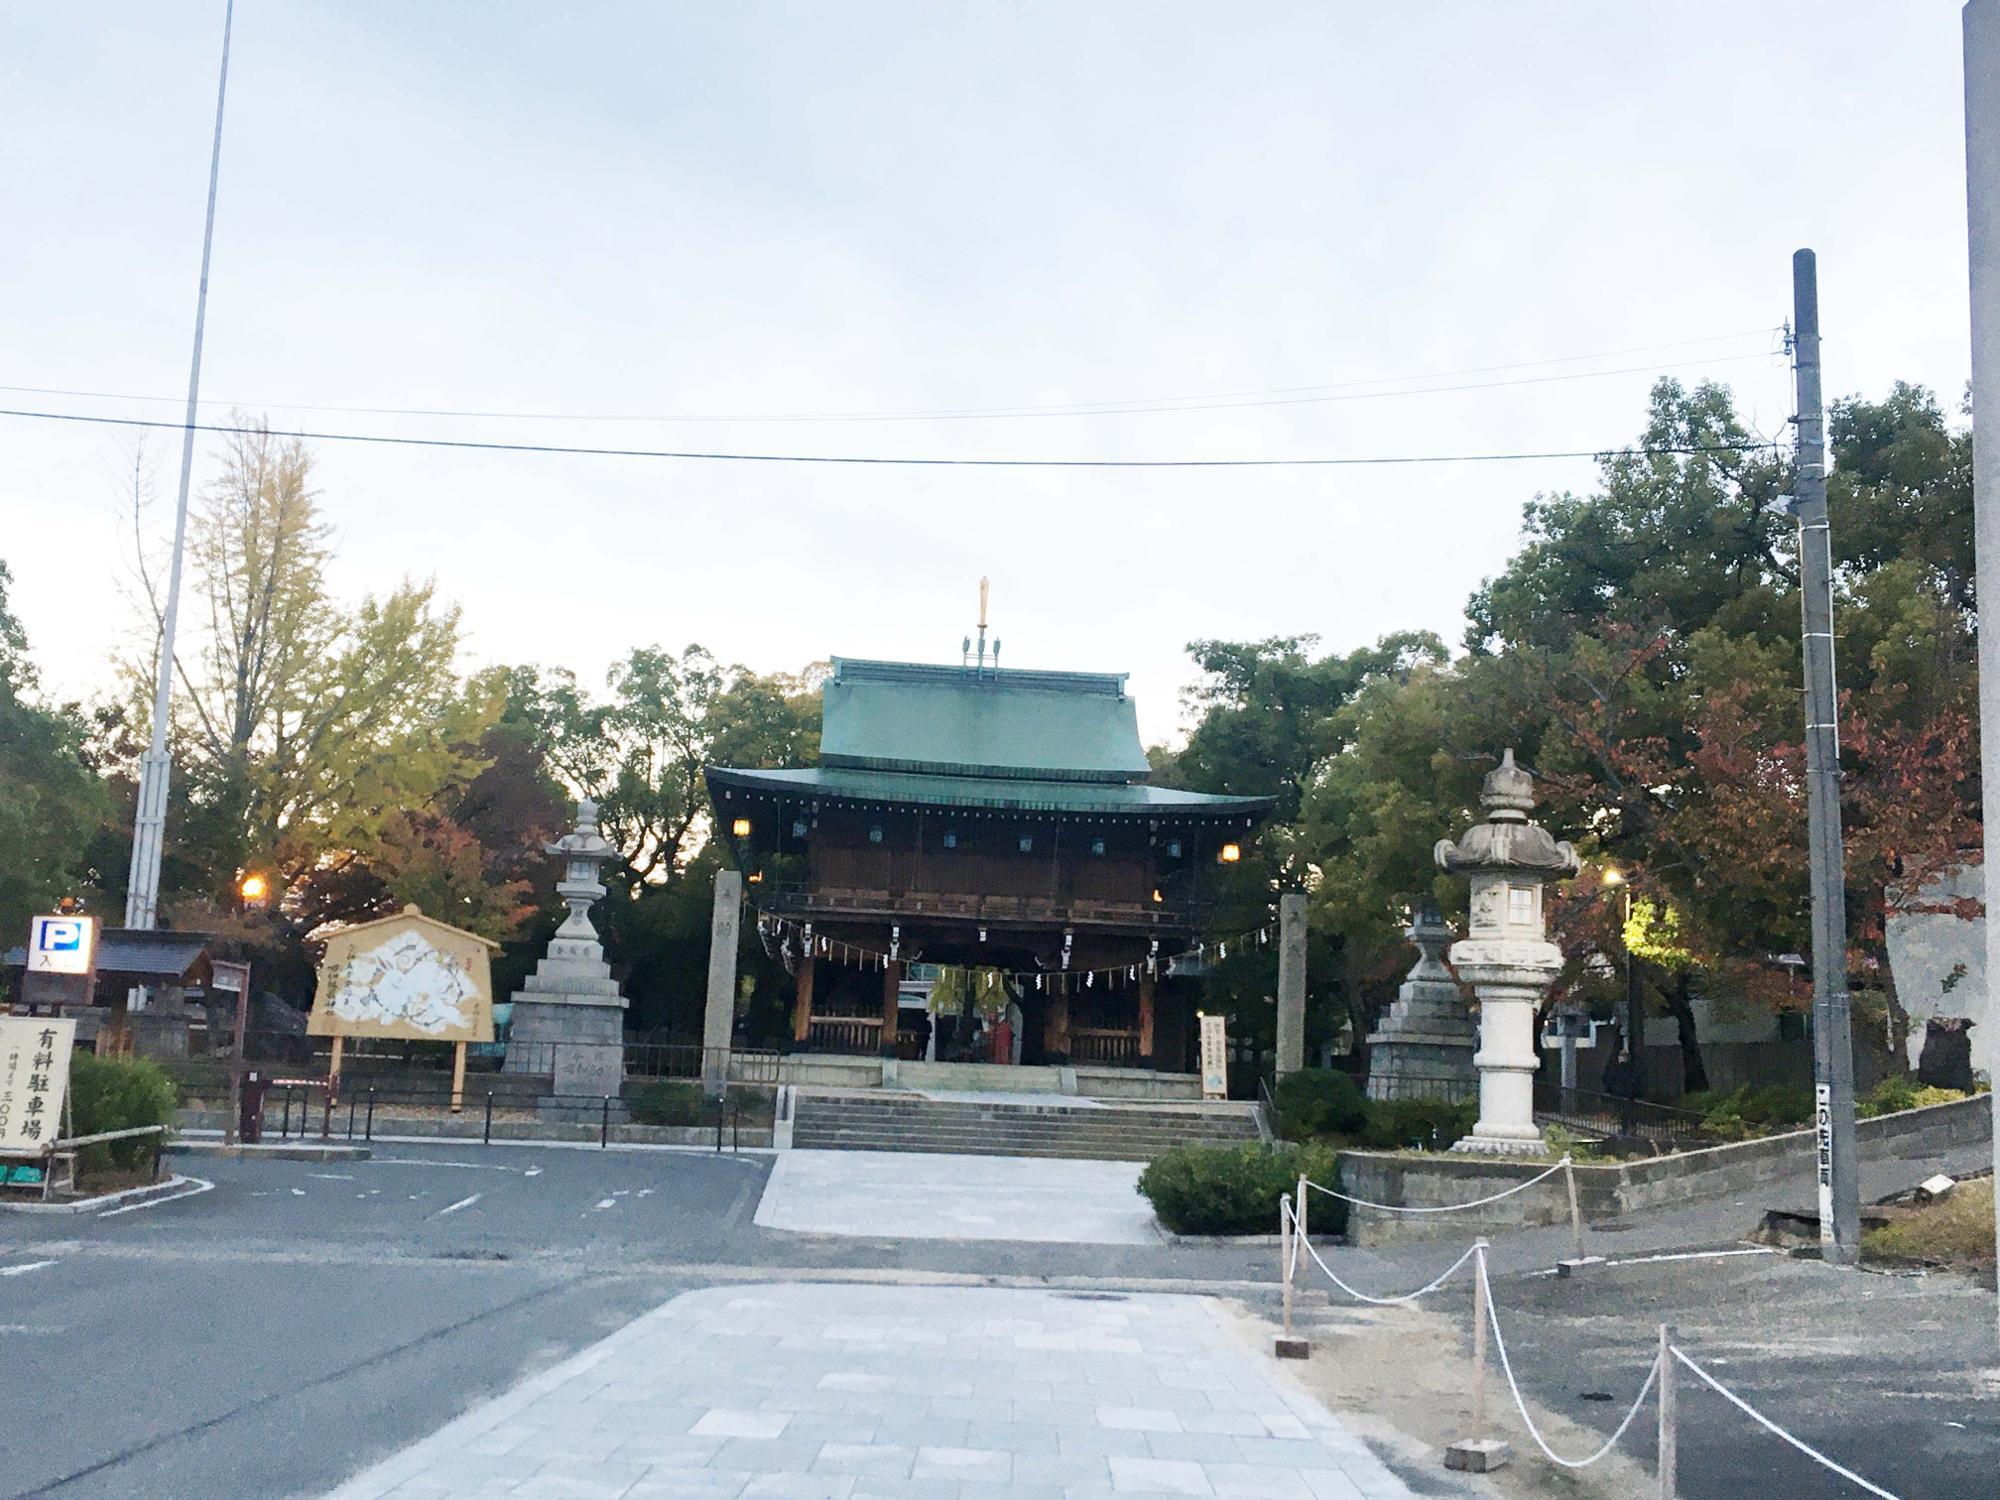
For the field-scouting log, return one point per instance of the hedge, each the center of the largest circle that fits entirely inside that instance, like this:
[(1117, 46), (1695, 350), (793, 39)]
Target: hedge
[(1235, 1189), (118, 1093)]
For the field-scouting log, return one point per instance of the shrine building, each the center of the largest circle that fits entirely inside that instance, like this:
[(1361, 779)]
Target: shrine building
[(997, 821)]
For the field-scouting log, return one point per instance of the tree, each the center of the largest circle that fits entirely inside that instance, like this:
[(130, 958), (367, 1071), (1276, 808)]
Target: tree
[(51, 801), (302, 725)]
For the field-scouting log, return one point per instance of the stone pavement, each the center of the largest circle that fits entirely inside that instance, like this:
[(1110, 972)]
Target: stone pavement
[(824, 1392), (912, 1195)]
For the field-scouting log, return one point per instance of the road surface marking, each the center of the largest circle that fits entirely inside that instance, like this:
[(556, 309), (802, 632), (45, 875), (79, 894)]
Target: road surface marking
[(201, 1185), (462, 1203), (414, 1161), (33, 1265), (332, 1176), (607, 1202)]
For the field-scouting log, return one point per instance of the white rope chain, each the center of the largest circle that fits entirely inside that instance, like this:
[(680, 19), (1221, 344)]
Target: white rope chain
[(1507, 1368), (1445, 1208), (1775, 1430), (1362, 1296)]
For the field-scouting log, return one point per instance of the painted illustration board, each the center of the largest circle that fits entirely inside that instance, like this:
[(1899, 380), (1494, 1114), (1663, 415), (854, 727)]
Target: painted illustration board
[(409, 977)]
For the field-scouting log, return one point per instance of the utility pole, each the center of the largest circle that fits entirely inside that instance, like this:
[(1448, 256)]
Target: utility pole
[(1982, 203), (142, 891), (1833, 1037)]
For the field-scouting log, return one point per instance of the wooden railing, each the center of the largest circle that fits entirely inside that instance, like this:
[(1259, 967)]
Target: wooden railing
[(1105, 1048), (859, 1036)]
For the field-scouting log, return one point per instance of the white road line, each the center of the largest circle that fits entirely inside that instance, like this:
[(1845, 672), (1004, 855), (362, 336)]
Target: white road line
[(607, 1202), (332, 1176), (462, 1203), (1600, 1263), (413, 1161), (33, 1265), (201, 1185)]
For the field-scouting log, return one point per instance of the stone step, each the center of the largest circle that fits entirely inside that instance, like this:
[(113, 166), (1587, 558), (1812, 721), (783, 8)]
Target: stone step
[(853, 1122)]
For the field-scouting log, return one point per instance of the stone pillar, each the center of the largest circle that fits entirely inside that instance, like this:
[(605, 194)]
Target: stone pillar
[(892, 985), (1291, 983), (802, 1003), (1422, 1047), (1506, 956), (718, 1020)]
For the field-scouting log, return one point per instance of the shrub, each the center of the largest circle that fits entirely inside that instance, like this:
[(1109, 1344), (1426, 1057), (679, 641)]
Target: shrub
[(1318, 1101), (1235, 1189), (665, 1101), (1751, 1111), (1902, 1092), (117, 1093), (1416, 1124)]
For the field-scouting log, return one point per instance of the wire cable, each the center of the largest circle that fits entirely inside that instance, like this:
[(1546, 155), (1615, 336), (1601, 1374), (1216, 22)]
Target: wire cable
[(1349, 391), (692, 455)]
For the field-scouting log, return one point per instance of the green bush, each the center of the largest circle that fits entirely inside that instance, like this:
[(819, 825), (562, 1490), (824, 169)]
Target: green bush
[(1235, 1189), (1416, 1124), (1752, 1111), (665, 1101), (117, 1093), (1318, 1101), (1902, 1092)]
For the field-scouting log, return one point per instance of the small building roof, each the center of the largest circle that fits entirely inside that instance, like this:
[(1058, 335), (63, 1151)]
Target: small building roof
[(999, 793), (143, 955), (984, 722)]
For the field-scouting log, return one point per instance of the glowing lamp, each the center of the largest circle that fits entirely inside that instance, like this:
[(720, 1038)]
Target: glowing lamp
[(1230, 853), (254, 889), (741, 828)]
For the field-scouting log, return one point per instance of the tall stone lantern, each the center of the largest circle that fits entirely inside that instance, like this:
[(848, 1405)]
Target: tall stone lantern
[(569, 1019), (1506, 955)]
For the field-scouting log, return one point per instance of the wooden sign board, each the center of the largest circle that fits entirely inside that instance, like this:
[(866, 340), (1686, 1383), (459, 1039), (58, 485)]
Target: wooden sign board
[(410, 977), (1214, 1057), (34, 1078)]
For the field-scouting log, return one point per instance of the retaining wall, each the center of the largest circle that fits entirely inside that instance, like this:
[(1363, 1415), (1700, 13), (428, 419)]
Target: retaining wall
[(1608, 1191)]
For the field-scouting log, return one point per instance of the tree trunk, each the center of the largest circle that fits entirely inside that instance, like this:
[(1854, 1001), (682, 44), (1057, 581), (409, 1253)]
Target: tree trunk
[(1679, 998)]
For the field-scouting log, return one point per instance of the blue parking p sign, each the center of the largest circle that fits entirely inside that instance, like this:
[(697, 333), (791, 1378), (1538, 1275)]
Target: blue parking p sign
[(62, 945)]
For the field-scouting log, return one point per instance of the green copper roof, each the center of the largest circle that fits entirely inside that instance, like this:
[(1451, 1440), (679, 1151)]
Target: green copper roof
[(1012, 794), (980, 721)]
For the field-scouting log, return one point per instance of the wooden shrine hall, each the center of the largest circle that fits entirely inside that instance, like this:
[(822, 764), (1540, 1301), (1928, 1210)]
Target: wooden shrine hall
[(999, 822)]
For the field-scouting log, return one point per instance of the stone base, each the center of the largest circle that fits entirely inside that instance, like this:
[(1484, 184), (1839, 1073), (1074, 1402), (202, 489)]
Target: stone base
[(1489, 1145), (1478, 1455)]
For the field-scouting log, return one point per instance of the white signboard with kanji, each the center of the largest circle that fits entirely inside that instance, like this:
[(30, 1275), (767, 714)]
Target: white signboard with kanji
[(1214, 1057), (34, 1079)]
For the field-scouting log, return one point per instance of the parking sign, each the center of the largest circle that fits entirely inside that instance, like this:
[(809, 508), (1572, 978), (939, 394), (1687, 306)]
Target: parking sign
[(62, 945)]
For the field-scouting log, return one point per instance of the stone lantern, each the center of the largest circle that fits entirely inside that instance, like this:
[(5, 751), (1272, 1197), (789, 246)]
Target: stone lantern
[(1505, 955), (1422, 1047), (569, 1019)]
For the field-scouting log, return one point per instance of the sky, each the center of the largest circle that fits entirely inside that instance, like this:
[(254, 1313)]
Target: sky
[(714, 217)]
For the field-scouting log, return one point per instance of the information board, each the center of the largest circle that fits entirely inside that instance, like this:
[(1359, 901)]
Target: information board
[(1214, 1057), (34, 1079)]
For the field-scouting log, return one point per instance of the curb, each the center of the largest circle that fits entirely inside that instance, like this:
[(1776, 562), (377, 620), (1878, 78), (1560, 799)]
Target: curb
[(268, 1153), (103, 1201)]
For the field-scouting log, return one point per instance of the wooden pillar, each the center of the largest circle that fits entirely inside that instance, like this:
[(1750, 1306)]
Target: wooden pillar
[(892, 979), (802, 1007), (1055, 1025), (333, 1066), (457, 1077), (1146, 1017)]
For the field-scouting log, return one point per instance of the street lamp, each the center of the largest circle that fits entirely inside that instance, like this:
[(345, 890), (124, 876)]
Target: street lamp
[(255, 891), (1635, 1015)]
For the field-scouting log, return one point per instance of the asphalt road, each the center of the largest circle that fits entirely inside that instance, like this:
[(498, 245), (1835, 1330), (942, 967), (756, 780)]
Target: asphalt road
[(300, 1320)]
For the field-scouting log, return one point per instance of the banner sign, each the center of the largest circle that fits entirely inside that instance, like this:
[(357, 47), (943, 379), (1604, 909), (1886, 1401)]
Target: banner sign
[(34, 1078), (1214, 1057)]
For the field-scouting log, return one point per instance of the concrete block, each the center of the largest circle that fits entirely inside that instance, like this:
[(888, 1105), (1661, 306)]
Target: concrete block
[(1478, 1455), (1293, 1347)]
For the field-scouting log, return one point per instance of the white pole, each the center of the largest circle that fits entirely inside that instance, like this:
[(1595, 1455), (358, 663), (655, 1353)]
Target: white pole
[(142, 892), (1982, 205), (1479, 1339), (1669, 1416), (1285, 1256)]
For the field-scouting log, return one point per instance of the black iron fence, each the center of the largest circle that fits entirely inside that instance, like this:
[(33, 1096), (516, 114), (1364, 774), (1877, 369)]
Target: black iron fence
[(1611, 1114)]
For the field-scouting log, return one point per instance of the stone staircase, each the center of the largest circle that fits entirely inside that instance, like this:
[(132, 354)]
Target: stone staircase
[(982, 1127)]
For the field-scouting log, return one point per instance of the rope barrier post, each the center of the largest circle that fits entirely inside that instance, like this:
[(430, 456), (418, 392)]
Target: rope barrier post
[(1478, 1454), (1669, 1415), (1575, 1210), (1289, 1345), (1299, 1208)]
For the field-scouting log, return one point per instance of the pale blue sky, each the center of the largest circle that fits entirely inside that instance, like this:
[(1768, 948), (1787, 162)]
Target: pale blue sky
[(832, 208)]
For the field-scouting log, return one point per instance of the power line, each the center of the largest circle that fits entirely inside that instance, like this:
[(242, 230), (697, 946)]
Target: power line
[(689, 455), (1226, 401)]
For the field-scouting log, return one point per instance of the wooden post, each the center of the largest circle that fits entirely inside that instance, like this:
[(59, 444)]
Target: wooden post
[(333, 1066), (1669, 1415), (892, 979), (1575, 1211), (802, 1007), (1146, 1017), (457, 1077), (1285, 1232), (1479, 1338), (1055, 1025)]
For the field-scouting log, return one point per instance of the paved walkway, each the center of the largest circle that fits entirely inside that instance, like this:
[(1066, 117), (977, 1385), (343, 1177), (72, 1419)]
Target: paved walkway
[(920, 1196), (823, 1392)]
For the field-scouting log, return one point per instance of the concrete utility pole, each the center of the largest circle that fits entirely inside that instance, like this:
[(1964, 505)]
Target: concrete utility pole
[(142, 889), (1833, 1036), (1982, 203)]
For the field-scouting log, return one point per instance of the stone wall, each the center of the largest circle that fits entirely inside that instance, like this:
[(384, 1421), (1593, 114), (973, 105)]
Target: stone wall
[(1611, 1190)]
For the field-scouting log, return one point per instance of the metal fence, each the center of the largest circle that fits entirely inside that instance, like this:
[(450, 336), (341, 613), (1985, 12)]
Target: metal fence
[(1610, 1114)]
